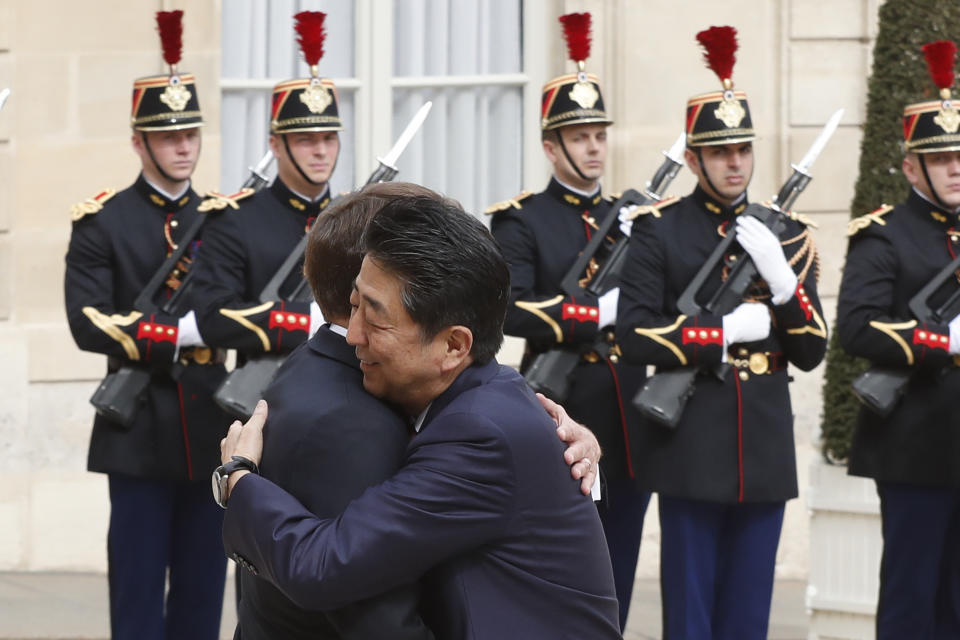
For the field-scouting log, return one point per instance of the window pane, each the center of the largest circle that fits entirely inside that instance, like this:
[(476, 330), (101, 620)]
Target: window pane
[(259, 42), (471, 145), (452, 37)]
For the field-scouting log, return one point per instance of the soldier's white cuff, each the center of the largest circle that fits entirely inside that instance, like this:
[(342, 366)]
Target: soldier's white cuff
[(608, 307)]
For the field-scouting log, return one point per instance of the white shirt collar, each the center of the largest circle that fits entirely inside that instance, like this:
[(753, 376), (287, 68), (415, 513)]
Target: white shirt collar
[(325, 191), (168, 195), (420, 418), (337, 329), (938, 206), (578, 191)]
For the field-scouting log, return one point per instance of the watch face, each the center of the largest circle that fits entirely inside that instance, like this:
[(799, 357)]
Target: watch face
[(217, 481)]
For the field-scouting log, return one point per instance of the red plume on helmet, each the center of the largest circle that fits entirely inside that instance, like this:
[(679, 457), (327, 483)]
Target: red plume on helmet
[(309, 27), (576, 30), (941, 59), (719, 46), (170, 26)]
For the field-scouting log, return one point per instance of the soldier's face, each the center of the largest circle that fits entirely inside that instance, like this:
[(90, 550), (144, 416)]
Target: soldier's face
[(175, 152), (398, 364), (315, 152), (944, 171), (587, 146), (728, 166)]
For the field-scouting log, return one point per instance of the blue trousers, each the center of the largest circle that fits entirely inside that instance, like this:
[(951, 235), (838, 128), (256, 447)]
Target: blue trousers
[(716, 568), (920, 568), (164, 532), (621, 513)]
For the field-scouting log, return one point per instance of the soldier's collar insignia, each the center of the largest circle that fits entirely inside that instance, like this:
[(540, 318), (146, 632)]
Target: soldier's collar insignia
[(184, 200), (92, 205), (572, 199), (740, 208), (296, 204), (157, 200), (597, 199), (323, 203), (712, 208), (936, 215)]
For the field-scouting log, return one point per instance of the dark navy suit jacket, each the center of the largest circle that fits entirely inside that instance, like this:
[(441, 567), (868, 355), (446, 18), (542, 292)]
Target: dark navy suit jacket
[(484, 507), (326, 441)]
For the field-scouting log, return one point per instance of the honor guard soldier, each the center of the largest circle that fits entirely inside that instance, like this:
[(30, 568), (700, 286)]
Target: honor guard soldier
[(164, 535), (725, 471), (541, 236), (912, 452), (246, 244)]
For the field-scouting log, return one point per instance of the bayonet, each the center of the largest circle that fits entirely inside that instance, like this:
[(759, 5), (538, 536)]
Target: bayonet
[(387, 169), (3, 96), (801, 172)]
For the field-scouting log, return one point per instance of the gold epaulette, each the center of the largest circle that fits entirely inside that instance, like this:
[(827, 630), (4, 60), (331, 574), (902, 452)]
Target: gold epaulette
[(653, 209), (858, 224), (803, 219), (217, 201), (91, 205), (506, 204)]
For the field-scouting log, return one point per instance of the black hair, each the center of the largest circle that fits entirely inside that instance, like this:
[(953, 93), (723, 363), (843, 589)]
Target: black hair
[(451, 268)]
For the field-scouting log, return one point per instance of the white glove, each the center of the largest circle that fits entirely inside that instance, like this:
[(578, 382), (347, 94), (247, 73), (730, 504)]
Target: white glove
[(188, 334), (747, 323), (316, 318), (767, 254), (954, 347), (608, 307), (626, 226)]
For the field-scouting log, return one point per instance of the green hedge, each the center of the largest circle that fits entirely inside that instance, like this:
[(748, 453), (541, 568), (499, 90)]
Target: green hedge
[(899, 77)]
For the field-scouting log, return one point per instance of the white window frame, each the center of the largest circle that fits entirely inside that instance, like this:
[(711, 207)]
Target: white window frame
[(374, 83)]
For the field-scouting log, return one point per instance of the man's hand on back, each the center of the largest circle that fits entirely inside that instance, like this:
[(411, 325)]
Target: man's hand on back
[(583, 451)]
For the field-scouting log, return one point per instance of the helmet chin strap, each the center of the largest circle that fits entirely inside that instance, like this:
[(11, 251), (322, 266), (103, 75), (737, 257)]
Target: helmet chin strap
[(146, 143), (286, 145), (933, 190), (569, 159)]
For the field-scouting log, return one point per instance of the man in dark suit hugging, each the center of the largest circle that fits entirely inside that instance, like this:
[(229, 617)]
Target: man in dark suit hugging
[(483, 501)]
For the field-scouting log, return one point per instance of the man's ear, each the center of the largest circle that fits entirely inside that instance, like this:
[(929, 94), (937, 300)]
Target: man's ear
[(911, 169), (692, 161), (550, 150), (275, 146), (458, 341)]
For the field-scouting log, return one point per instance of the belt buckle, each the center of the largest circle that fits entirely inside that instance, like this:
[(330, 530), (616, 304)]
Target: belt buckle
[(758, 363)]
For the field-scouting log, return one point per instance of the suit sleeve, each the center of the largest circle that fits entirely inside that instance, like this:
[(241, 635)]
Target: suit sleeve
[(354, 457), (230, 315), (867, 321), (448, 499), (543, 316), (798, 322), (99, 324), (648, 331)]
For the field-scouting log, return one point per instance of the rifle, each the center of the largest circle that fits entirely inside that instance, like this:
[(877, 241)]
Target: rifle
[(243, 387), (665, 394), (596, 271), (880, 387), (119, 394)]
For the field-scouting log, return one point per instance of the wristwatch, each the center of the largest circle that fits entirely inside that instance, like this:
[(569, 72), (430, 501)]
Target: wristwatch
[(222, 473)]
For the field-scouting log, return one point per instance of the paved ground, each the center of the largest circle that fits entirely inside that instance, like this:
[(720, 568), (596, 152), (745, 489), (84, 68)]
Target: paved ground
[(61, 606)]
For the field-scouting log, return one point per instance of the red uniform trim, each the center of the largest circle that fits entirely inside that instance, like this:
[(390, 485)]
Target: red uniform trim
[(156, 332), (623, 417), (702, 335), (580, 313), (183, 428), (289, 321), (804, 301), (931, 339)]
